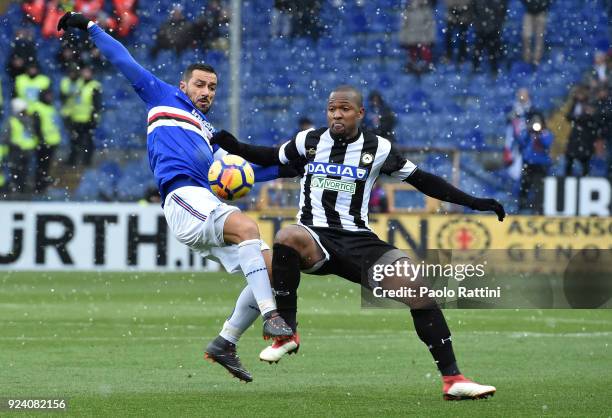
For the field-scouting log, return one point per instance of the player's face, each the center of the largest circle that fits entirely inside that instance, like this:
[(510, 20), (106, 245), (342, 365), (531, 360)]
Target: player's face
[(201, 89), (344, 115)]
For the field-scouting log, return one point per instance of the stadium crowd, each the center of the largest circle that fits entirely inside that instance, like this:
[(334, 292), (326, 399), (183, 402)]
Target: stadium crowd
[(39, 117)]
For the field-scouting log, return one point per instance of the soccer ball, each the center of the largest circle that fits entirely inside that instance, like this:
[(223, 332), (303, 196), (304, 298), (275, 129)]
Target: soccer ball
[(231, 177)]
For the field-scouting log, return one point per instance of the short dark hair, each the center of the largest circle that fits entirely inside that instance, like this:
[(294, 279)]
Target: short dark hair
[(197, 66), (345, 88)]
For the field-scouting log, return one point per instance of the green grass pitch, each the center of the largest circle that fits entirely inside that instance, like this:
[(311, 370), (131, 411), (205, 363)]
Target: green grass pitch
[(132, 344)]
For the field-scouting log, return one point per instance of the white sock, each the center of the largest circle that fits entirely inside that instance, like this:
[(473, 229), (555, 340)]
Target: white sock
[(244, 314), (254, 270)]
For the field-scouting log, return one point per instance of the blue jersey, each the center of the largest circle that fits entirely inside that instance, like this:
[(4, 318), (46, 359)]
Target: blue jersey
[(178, 133)]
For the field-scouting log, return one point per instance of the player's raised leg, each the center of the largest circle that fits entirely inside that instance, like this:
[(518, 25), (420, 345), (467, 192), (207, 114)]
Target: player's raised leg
[(432, 329), (242, 230), (223, 348)]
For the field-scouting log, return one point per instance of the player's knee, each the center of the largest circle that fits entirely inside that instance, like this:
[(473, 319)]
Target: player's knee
[(290, 237), (248, 230)]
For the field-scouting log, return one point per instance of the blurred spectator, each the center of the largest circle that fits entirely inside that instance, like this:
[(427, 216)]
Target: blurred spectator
[(173, 34), (29, 85), (604, 117), (378, 200), (4, 150), (534, 28), (379, 117), (22, 54), (458, 19), (489, 17), (47, 128), (55, 9), (517, 122), (125, 10), (583, 133), (417, 34), (534, 142), (305, 123), (85, 118), (34, 10), (20, 136), (306, 21), (280, 18), (89, 8), (600, 74), (69, 90), (209, 31)]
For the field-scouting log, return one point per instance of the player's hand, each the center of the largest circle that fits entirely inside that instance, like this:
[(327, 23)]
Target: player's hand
[(72, 20), (225, 140), (486, 205), (295, 168)]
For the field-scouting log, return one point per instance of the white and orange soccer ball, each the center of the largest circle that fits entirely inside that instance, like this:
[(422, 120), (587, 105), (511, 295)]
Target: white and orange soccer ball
[(231, 177)]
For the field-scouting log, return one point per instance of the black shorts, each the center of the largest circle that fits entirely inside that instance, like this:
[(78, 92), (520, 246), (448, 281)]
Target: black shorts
[(348, 254)]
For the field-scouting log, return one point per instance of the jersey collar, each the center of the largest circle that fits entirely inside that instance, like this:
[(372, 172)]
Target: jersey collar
[(343, 141)]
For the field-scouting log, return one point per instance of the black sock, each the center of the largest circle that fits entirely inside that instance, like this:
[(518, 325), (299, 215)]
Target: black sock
[(285, 280), (431, 328)]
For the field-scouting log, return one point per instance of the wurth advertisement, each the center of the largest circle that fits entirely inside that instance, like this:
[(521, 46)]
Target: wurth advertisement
[(70, 236)]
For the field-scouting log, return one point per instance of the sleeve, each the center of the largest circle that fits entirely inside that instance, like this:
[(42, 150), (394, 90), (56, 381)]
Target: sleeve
[(440, 189), (147, 86), (294, 148), (265, 173), (397, 166), (218, 152)]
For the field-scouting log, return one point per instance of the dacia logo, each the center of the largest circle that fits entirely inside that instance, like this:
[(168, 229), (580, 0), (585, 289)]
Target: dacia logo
[(342, 170)]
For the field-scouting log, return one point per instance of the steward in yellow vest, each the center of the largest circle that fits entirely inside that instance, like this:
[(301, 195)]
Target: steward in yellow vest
[(85, 117), (4, 149), (29, 85), (47, 125), (22, 142), (69, 90)]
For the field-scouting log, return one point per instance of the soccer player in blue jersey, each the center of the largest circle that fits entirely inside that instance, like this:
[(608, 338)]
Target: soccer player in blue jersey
[(180, 154)]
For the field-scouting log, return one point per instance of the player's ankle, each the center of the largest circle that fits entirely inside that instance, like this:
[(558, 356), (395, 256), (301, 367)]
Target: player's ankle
[(270, 314), (450, 370)]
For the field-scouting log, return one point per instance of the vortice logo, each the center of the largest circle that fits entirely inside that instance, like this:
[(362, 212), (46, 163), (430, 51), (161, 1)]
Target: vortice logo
[(331, 169)]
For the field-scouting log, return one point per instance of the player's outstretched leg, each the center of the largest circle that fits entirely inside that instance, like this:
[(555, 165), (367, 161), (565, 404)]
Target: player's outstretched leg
[(431, 327), (223, 349), (224, 352), (242, 230)]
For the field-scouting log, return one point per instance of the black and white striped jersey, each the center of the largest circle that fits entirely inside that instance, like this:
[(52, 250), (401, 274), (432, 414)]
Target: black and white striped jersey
[(335, 189)]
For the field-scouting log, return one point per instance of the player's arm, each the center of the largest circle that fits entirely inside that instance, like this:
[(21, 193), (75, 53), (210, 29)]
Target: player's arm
[(289, 163), (396, 165), (257, 154), (263, 172), (146, 84)]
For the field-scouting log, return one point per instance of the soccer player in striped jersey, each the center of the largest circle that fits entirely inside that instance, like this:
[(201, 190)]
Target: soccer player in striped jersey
[(180, 154), (332, 235)]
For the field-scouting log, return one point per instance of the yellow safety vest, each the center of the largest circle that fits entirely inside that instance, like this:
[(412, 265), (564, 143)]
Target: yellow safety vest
[(48, 122), (28, 88), (70, 89), (3, 152), (83, 108), (20, 137)]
